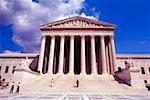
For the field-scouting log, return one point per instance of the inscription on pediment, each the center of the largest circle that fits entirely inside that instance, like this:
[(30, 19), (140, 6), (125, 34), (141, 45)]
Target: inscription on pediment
[(75, 24)]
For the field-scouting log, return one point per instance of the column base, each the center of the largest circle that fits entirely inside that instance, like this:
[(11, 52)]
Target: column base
[(60, 74), (70, 74), (40, 73), (50, 73), (94, 74), (83, 74)]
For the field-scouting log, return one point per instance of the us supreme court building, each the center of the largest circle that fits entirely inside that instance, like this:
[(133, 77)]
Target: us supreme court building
[(77, 45), (72, 49)]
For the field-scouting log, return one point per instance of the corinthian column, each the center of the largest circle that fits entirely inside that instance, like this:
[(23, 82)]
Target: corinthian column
[(111, 59), (61, 55), (93, 56), (71, 57), (83, 70), (41, 58), (113, 52), (51, 55), (103, 53)]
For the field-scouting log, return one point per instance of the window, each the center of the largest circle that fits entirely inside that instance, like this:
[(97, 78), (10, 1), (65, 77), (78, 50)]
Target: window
[(0, 68), (145, 81), (6, 70), (119, 69), (13, 70), (149, 69), (142, 70)]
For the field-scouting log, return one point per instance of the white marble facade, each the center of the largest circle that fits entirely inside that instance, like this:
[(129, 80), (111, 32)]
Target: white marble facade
[(89, 45)]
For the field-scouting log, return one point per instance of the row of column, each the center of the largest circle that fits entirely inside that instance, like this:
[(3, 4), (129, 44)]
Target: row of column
[(71, 56)]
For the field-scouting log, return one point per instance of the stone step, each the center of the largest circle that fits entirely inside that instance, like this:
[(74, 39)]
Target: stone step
[(67, 83)]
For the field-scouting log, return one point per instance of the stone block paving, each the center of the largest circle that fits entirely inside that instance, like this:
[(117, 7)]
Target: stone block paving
[(52, 96)]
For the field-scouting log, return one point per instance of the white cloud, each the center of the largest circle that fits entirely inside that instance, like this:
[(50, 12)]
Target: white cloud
[(142, 42), (9, 51), (26, 17)]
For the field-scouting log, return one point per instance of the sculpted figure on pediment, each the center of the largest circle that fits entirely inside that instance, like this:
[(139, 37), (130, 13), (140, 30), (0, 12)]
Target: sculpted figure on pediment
[(77, 22)]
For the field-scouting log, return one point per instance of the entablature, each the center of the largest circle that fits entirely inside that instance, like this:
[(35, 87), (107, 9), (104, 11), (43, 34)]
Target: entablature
[(77, 32)]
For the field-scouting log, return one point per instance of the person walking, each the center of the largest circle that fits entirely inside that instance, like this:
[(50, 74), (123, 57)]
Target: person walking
[(52, 81), (18, 87), (3, 84), (12, 87), (0, 81), (77, 83)]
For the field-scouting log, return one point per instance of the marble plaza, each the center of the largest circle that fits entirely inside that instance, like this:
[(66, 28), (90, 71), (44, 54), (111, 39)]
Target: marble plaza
[(56, 96)]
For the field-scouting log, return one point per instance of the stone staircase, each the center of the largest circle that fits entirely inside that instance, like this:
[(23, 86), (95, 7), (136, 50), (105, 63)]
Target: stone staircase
[(87, 84)]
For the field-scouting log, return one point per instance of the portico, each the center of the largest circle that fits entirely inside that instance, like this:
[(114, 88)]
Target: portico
[(77, 45)]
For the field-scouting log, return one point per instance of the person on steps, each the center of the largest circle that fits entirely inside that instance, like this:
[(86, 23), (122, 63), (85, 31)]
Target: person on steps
[(18, 88), (12, 87)]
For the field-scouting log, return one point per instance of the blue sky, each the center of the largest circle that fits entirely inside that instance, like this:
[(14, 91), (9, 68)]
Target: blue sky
[(132, 17)]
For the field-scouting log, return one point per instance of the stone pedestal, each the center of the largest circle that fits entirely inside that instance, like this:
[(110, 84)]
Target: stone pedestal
[(106, 76), (137, 81)]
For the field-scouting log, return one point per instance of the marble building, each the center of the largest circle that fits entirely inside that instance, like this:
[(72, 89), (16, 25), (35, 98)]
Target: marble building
[(77, 45), (73, 49)]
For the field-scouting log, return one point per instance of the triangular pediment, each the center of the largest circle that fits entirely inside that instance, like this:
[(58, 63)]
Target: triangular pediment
[(77, 22)]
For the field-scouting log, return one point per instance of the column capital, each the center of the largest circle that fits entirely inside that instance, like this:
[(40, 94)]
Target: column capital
[(43, 37), (72, 36), (83, 36), (62, 36), (92, 36), (111, 36), (52, 36), (102, 36)]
